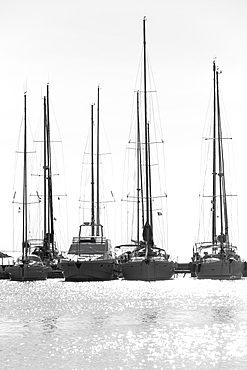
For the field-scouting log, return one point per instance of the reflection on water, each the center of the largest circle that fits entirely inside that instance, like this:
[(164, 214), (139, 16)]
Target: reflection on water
[(49, 324), (223, 314), (149, 318), (182, 323)]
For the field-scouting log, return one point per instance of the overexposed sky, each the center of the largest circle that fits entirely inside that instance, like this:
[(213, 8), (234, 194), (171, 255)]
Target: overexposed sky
[(76, 45)]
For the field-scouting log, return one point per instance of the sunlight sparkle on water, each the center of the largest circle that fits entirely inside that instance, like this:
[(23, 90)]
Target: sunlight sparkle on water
[(182, 323)]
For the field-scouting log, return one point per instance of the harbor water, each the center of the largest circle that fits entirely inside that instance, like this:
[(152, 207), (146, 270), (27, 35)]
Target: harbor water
[(182, 323)]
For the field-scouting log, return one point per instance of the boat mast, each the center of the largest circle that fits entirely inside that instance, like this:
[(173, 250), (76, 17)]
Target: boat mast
[(24, 219), (147, 230), (223, 204), (97, 187), (45, 188), (50, 238), (150, 184), (138, 172), (92, 174), (214, 163), (146, 123)]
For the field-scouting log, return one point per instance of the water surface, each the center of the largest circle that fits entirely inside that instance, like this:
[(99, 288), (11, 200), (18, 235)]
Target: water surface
[(178, 324)]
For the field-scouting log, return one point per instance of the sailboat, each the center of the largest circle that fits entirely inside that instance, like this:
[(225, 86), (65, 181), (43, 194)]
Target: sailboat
[(46, 249), (145, 261), (218, 258), (28, 267), (92, 257)]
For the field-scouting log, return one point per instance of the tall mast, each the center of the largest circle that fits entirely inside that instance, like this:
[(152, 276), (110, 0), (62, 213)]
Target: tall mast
[(145, 117), (50, 195), (147, 230), (92, 174), (214, 163), (220, 174), (45, 168), (97, 187), (138, 171), (24, 219), (223, 204), (149, 173)]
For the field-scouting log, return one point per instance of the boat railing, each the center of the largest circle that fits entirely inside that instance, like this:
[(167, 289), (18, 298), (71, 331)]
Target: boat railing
[(86, 257), (35, 242), (88, 246), (225, 246), (89, 239)]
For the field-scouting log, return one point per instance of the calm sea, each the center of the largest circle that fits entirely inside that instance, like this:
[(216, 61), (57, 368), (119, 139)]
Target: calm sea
[(179, 324)]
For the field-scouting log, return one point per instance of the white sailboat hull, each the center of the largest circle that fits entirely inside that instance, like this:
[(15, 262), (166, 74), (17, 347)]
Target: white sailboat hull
[(148, 270), (27, 272), (220, 269), (100, 270)]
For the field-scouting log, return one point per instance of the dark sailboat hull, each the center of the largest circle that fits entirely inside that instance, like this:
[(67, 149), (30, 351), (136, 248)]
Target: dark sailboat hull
[(151, 270), (27, 272), (100, 270), (219, 269)]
